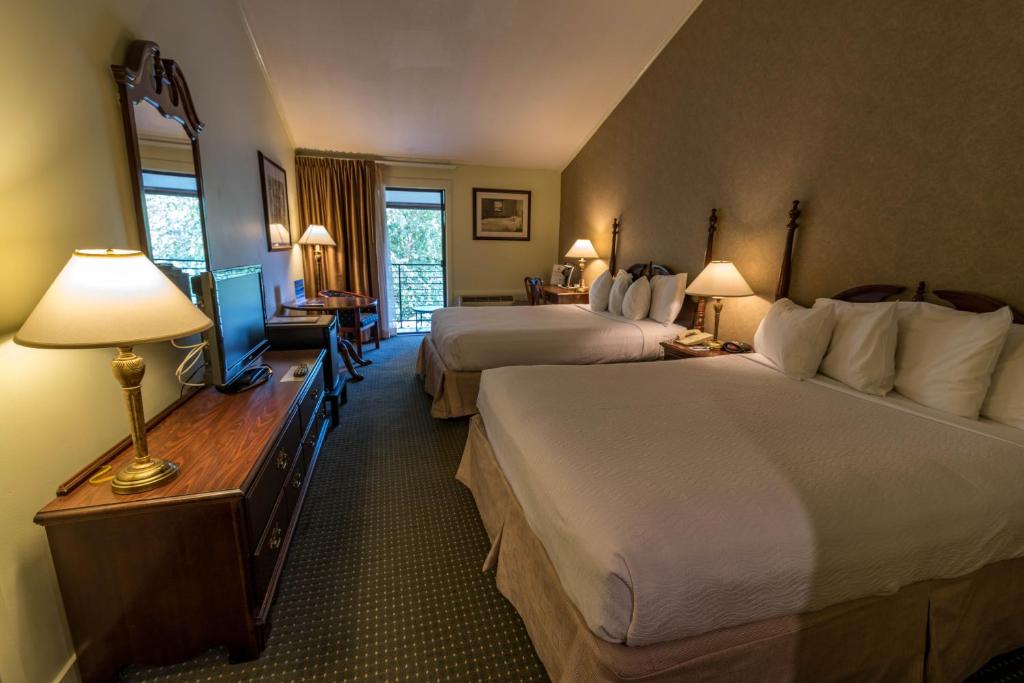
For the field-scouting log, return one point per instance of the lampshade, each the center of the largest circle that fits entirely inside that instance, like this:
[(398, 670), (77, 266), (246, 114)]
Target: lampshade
[(719, 279), (582, 249), (279, 234), (317, 234), (110, 297)]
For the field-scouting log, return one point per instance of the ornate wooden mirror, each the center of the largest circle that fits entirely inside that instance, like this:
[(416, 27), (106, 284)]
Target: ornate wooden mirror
[(161, 130)]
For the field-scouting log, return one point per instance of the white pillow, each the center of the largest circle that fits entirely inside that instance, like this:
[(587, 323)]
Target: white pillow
[(600, 290), (667, 295), (945, 358), (862, 353), (1005, 400), (637, 302), (795, 338), (619, 287)]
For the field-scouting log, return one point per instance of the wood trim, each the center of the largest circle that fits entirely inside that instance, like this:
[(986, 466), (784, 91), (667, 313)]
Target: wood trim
[(786, 271), (264, 159), (648, 270), (977, 303), (869, 293)]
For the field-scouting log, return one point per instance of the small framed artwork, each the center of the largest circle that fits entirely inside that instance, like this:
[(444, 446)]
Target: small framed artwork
[(274, 185), (501, 214)]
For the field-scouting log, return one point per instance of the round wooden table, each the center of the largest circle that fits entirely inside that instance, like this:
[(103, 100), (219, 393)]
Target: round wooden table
[(333, 304)]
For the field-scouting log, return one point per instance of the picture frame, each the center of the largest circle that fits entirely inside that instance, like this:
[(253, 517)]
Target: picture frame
[(274, 189), (501, 214)]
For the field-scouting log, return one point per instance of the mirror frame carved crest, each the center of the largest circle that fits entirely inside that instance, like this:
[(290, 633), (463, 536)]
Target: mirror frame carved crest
[(160, 82)]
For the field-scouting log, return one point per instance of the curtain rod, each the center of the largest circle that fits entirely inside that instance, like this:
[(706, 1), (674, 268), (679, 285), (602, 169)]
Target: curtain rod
[(387, 161)]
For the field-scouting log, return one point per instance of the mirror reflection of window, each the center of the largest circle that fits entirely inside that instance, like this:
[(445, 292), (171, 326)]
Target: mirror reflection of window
[(174, 225)]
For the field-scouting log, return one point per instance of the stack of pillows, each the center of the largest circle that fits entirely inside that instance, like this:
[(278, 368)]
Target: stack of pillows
[(967, 364), (660, 298)]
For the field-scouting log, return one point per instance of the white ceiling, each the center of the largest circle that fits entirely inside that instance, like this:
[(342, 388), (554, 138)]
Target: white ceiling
[(520, 83)]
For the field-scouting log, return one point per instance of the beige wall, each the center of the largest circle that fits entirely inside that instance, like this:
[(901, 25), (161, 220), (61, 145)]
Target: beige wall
[(897, 122), (64, 184), (486, 266)]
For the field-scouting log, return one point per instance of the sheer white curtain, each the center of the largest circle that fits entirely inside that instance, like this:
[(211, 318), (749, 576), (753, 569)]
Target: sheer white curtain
[(385, 306)]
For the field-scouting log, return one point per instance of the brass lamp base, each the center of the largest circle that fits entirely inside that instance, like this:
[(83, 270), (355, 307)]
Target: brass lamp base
[(143, 476)]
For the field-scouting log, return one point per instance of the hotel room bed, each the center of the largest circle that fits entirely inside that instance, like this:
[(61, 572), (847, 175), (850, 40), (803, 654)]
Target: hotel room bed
[(465, 341), (717, 538)]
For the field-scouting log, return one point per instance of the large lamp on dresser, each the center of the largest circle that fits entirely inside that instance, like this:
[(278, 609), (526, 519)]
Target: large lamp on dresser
[(114, 298), (718, 280)]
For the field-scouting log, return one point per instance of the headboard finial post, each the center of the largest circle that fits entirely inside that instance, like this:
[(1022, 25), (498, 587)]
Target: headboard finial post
[(616, 228), (919, 291), (782, 290), (702, 302)]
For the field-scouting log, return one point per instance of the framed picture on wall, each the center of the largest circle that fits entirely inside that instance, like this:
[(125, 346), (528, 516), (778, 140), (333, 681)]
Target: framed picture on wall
[(501, 214), (274, 186)]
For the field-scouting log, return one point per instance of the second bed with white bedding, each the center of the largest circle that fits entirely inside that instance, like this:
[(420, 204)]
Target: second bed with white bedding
[(473, 339), (694, 495)]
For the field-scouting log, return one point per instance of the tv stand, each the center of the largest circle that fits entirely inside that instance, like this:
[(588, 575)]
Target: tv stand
[(250, 378)]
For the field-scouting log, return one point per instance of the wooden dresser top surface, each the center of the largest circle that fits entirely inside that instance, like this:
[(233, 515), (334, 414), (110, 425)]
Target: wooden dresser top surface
[(217, 439)]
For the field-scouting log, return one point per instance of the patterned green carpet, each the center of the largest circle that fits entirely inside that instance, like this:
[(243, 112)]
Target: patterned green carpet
[(383, 580)]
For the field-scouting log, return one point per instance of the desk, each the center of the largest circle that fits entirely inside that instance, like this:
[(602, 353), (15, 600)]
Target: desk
[(337, 305), (562, 295)]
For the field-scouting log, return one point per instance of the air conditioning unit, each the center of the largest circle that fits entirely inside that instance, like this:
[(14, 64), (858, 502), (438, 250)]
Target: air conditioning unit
[(487, 300)]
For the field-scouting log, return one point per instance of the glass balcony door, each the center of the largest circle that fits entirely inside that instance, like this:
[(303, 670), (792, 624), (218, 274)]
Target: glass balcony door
[(416, 239)]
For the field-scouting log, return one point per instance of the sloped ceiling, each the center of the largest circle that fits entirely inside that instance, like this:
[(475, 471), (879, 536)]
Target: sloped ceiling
[(519, 83)]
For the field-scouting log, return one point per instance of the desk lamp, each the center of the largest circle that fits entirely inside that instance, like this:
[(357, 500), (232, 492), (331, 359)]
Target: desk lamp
[(719, 279), (317, 236), (582, 249), (114, 298)]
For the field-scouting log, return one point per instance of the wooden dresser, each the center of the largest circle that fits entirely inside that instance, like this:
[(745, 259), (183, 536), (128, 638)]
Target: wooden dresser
[(160, 576)]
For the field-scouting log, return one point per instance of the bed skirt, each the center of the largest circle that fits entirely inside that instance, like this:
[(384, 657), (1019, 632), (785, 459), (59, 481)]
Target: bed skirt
[(934, 630), (454, 391)]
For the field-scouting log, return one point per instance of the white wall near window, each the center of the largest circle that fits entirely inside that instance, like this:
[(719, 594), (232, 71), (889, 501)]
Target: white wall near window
[(486, 266)]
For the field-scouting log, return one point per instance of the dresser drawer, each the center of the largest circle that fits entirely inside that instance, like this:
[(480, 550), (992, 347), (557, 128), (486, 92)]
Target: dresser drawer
[(269, 549), (312, 397), (259, 502), (321, 421), (293, 487)]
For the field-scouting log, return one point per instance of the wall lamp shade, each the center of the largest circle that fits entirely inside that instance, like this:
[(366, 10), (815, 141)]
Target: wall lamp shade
[(115, 297), (719, 279), (106, 298), (317, 235), (582, 249)]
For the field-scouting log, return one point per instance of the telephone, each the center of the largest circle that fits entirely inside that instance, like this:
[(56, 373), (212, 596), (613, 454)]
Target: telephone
[(691, 337)]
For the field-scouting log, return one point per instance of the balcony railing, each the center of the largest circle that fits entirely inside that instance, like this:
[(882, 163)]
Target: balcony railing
[(419, 288)]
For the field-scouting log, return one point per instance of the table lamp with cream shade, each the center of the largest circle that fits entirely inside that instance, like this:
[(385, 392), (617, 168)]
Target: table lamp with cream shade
[(582, 250), (718, 280), (115, 298), (318, 237)]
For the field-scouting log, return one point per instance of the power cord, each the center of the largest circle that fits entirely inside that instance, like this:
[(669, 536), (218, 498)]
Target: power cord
[(188, 366)]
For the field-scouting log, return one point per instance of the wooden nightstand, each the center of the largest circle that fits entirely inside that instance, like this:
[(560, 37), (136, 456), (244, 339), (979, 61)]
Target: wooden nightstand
[(674, 351)]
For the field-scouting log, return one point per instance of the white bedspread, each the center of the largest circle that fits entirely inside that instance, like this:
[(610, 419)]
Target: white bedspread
[(692, 495), (472, 339)]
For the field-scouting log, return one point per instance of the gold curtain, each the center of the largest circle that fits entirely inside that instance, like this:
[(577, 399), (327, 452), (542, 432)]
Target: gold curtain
[(346, 197)]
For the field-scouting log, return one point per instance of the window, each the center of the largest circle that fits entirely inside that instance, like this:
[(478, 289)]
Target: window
[(173, 221)]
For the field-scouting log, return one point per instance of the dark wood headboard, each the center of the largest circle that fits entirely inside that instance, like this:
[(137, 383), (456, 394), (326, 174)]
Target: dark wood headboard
[(786, 271), (977, 303), (648, 270)]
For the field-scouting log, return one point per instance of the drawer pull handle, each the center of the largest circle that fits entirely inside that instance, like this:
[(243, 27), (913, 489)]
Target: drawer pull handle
[(282, 459), (297, 480), (274, 542), (323, 411)]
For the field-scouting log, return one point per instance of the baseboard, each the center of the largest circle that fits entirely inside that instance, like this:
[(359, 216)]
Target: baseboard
[(69, 672)]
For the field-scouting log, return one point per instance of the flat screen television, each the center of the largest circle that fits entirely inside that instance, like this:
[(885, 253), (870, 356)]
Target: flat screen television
[(233, 299)]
